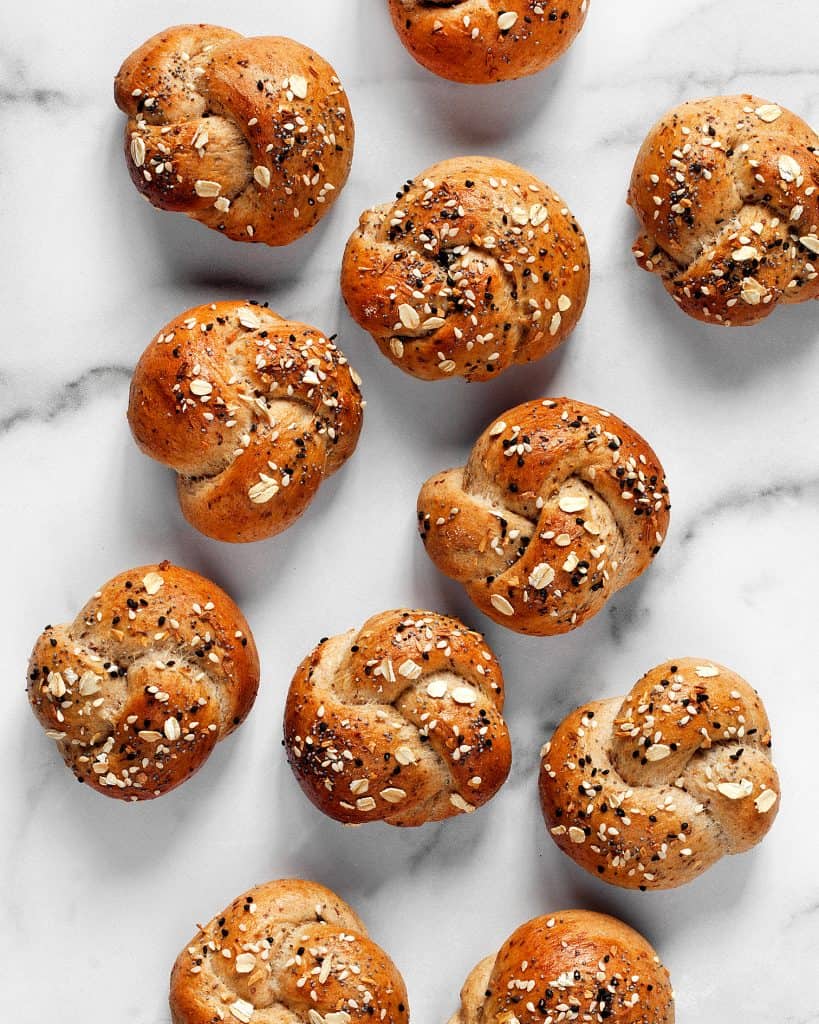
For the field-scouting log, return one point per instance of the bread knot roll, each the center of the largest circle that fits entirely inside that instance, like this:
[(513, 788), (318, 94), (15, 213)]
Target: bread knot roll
[(649, 791), (476, 266), (136, 692), (284, 952), (479, 41), (252, 411), (250, 136), (399, 721), (559, 506), (570, 966), (726, 191)]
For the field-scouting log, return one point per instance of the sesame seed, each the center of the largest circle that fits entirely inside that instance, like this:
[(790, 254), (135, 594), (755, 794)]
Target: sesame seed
[(261, 176)]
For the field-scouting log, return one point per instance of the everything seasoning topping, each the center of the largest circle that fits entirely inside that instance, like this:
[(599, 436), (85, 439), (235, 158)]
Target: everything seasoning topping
[(574, 966), (576, 500), (400, 721), (664, 782), (285, 943), (726, 189), (130, 690), (189, 145), (489, 41), (477, 265), (274, 404)]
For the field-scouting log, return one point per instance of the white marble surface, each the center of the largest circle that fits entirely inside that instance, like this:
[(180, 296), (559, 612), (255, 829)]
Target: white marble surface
[(98, 897)]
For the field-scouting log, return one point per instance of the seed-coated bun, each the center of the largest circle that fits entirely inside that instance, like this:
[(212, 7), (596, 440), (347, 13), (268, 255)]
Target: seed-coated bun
[(477, 265), (250, 136), (478, 41), (284, 952), (559, 506), (252, 411), (727, 192), (137, 691), (399, 721), (569, 966), (651, 790)]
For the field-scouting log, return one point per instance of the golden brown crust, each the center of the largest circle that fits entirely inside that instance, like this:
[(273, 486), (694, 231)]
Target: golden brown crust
[(399, 721), (560, 505), (251, 410), (572, 965), (477, 265), (649, 791), (286, 951), (250, 136), (727, 192), (479, 41), (157, 667)]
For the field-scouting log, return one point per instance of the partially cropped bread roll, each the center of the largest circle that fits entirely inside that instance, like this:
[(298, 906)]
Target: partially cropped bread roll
[(560, 505), (649, 791), (478, 41), (399, 721), (250, 136), (476, 266), (569, 966), (284, 952), (251, 410), (727, 192), (137, 691)]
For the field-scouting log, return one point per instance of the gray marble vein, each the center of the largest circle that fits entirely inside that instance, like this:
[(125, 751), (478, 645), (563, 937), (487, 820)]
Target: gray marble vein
[(71, 397)]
